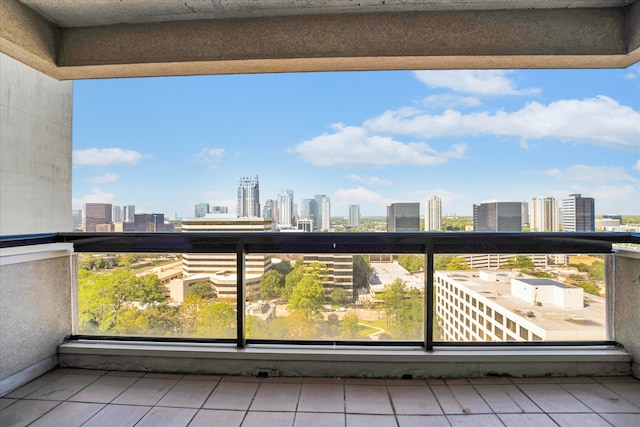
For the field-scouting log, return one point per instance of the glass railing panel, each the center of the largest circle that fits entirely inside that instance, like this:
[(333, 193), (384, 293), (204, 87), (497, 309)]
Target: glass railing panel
[(155, 295), (338, 297), (526, 298)]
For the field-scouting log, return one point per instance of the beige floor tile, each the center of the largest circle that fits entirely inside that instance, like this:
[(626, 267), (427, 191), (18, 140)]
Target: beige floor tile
[(527, 420), (475, 420), (34, 385), (124, 374), (406, 382), (367, 399), (600, 399), (620, 379), (202, 377), (25, 411), (321, 398), (506, 399), (232, 395), (573, 380), (553, 398), (4, 402), (629, 391), (188, 394), (362, 420), (365, 381), (104, 389), (241, 379), (145, 391), (460, 399), (271, 419), (276, 397), (622, 420), (117, 415), (417, 400), (580, 420), (68, 414), (78, 371), (490, 380), (64, 387), (423, 421), (217, 417), (315, 419), (163, 375), (320, 380), (174, 417), (456, 381)]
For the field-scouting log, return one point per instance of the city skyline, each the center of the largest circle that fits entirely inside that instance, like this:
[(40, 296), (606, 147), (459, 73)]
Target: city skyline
[(372, 138)]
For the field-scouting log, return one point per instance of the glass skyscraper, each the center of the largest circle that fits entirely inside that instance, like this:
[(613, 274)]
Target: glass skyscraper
[(248, 204)]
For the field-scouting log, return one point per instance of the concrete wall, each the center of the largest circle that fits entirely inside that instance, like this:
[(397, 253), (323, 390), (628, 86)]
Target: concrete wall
[(35, 141), (626, 270), (35, 310)]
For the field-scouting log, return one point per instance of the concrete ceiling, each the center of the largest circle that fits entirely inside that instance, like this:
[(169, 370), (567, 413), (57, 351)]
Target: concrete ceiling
[(70, 39)]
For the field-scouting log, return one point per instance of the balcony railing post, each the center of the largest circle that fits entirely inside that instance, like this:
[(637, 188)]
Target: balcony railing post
[(428, 299), (241, 339)]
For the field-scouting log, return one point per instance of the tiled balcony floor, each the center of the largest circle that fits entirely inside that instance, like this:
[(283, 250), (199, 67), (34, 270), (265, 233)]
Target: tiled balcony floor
[(69, 397)]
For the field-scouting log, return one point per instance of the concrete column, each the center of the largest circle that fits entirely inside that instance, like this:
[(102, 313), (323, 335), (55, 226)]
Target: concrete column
[(626, 273)]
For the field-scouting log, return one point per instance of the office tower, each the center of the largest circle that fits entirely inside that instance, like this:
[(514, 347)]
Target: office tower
[(326, 213), (307, 208), (129, 213), (578, 213), (94, 214), (497, 216), (117, 214), (76, 219), (544, 214), (339, 272), (304, 224), (268, 210), (433, 214), (248, 205), (316, 214), (219, 209), (403, 217), (524, 213), (221, 268), (354, 216), (149, 222), (285, 208), (201, 210)]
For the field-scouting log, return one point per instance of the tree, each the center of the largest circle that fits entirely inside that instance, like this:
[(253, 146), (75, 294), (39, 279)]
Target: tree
[(361, 269), (202, 289), (458, 263), (299, 326), (283, 267), (392, 296), (147, 289), (350, 326), (519, 262), (307, 297), (271, 284), (333, 324), (408, 320), (339, 296), (188, 313), (412, 263), (217, 320)]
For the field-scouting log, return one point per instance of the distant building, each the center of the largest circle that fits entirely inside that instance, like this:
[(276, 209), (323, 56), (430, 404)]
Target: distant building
[(316, 214), (94, 214), (497, 216), (354, 216), (218, 209), (285, 208), (270, 209), (578, 213), (248, 203), (76, 219), (149, 222), (128, 213), (339, 272), (544, 214), (201, 210), (433, 214), (326, 213), (524, 213), (304, 224), (117, 214), (403, 217), (308, 209), (221, 269)]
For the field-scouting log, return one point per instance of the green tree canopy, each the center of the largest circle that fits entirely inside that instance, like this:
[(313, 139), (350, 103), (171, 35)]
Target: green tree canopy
[(339, 296), (307, 297), (519, 262), (202, 289), (350, 326), (412, 263), (271, 284), (217, 320)]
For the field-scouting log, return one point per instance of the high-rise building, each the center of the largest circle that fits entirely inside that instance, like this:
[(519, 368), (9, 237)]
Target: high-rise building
[(219, 209), (326, 213), (497, 216), (117, 214), (403, 217), (316, 214), (433, 214), (578, 213), (269, 209), (149, 222), (354, 216), (544, 214), (201, 209), (524, 214), (339, 272), (94, 214), (308, 209), (248, 205), (304, 224), (76, 219), (128, 213), (285, 208)]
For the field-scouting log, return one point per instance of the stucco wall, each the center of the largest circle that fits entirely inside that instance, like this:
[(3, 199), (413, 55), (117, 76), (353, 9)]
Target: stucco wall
[(627, 304), (35, 142)]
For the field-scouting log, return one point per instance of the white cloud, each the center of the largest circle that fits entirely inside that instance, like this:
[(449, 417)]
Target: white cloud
[(481, 82), (109, 177), (584, 173), (368, 179), (351, 145), (96, 196), (343, 196), (211, 156), (636, 166), (599, 120), (106, 156), (449, 101)]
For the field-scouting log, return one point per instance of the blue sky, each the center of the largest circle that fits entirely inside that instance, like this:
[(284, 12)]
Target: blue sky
[(367, 138)]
